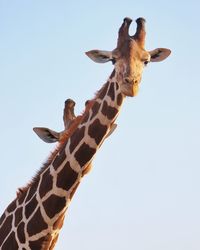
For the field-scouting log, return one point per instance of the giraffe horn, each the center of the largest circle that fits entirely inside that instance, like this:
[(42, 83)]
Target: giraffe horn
[(123, 31), (140, 31)]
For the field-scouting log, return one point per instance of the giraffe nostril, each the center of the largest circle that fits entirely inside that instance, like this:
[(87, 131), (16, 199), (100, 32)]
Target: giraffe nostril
[(127, 80)]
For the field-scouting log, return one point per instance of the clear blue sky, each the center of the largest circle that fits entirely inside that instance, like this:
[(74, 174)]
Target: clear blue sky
[(143, 191)]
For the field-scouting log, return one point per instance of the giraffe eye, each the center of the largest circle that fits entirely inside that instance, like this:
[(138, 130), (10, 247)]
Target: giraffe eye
[(146, 62), (113, 61)]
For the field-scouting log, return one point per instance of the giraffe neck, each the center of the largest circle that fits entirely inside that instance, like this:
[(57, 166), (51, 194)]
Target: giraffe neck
[(35, 218), (96, 124)]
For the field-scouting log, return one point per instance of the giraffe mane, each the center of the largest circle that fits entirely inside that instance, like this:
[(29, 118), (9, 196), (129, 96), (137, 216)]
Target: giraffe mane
[(66, 135)]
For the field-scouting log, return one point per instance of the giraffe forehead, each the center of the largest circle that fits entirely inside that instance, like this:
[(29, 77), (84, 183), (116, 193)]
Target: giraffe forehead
[(131, 59), (133, 51)]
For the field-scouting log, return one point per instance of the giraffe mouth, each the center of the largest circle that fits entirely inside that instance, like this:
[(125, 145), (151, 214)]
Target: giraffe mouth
[(130, 89)]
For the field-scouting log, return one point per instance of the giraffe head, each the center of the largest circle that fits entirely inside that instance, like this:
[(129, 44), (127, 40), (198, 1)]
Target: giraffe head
[(51, 136), (130, 56)]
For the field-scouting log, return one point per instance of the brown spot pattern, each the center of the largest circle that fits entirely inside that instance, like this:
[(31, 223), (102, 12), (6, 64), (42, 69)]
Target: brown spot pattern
[(109, 111), (18, 216), (84, 154), (46, 183), (20, 232), (117, 86), (5, 228), (2, 218), (103, 91), (21, 198), (11, 207), (97, 131), (59, 159), (95, 109), (86, 117), (32, 190), (10, 243), (111, 91), (42, 243), (112, 74), (30, 207), (119, 99), (66, 177), (53, 205), (36, 224), (76, 138)]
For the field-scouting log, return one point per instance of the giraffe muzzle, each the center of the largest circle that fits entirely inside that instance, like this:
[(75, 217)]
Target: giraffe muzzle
[(130, 87)]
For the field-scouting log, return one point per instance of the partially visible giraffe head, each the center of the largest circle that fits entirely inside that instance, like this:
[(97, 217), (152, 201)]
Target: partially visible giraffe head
[(51, 136), (130, 56)]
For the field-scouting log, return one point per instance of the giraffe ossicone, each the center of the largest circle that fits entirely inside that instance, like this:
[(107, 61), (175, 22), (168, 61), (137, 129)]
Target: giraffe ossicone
[(34, 219)]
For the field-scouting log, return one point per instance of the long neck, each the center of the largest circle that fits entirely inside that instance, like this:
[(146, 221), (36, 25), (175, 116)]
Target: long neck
[(69, 165), (44, 203), (95, 126)]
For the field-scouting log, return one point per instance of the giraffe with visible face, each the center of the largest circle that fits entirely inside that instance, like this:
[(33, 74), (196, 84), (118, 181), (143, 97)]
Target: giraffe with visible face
[(34, 219)]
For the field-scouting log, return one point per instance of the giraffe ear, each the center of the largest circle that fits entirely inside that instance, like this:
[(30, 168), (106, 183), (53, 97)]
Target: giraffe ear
[(159, 54), (100, 56), (46, 134)]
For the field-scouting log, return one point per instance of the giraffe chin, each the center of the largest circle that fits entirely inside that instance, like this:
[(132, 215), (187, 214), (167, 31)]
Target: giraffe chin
[(135, 90), (130, 90)]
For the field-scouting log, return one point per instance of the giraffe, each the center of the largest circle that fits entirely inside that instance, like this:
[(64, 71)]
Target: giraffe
[(34, 219)]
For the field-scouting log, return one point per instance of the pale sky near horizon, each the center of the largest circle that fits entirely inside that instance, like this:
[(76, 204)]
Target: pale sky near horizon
[(143, 191)]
